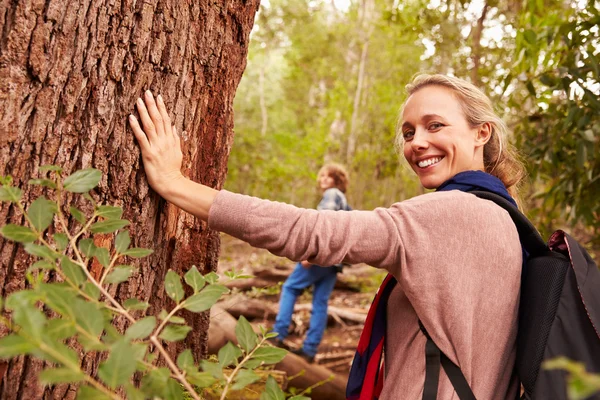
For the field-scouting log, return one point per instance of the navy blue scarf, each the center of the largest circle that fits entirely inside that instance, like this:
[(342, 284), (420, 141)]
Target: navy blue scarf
[(365, 381)]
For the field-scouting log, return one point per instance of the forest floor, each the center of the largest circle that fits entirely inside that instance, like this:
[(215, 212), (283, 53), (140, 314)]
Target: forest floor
[(348, 303)]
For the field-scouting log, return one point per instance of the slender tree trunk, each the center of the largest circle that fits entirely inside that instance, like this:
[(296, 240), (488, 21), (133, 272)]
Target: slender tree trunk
[(476, 47), (70, 72)]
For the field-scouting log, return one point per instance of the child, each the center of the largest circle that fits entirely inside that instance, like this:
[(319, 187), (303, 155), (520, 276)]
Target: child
[(332, 180)]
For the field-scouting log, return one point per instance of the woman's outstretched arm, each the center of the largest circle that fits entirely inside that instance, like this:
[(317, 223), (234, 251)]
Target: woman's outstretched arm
[(162, 156)]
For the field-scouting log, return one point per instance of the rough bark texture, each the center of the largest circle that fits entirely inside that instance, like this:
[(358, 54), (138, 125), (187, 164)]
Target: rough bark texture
[(70, 72)]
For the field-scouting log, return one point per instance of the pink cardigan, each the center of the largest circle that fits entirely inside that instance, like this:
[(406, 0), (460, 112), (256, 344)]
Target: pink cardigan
[(457, 259)]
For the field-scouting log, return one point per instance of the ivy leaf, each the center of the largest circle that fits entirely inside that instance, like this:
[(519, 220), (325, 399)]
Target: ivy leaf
[(205, 299), (173, 286), (10, 193), (60, 375), (40, 251), (61, 241), (228, 354), (73, 271), (82, 181), (108, 226), (109, 212), (142, 328), (78, 215), (137, 252), (194, 278), (41, 213), (244, 378), (43, 182), (135, 304), (272, 390), (18, 233), (120, 365), (87, 247), (119, 274), (174, 333), (122, 241), (211, 278), (103, 256), (14, 345), (245, 335), (185, 360)]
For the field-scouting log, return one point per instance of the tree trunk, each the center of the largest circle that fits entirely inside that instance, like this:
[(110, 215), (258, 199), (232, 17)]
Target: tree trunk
[(70, 72)]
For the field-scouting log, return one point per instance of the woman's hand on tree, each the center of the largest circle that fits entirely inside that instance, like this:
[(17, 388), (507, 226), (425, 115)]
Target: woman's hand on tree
[(159, 142)]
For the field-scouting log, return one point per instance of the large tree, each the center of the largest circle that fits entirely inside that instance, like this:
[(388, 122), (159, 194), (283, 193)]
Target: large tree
[(70, 72)]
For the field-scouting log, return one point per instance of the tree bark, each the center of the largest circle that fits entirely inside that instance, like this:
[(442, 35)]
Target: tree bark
[(70, 72)]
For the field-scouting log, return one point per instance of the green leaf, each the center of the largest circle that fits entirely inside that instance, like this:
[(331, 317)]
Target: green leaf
[(174, 333), (122, 241), (269, 355), (119, 274), (205, 299), (10, 193), (43, 182), (60, 329), (88, 317), (120, 365), (42, 264), (272, 390), (41, 212), (135, 304), (134, 393), (244, 378), (82, 181), (299, 398), (60, 375), (142, 328), (31, 320), (87, 247), (69, 357), (200, 379), (154, 382), (21, 298), (61, 241), (18, 233), (245, 335), (229, 354), (40, 251), (108, 226), (194, 278), (60, 298), (109, 212), (103, 256), (173, 319), (78, 215), (137, 252), (55, 168), (173, 286), (73, 271), (91, 290), (173, 390), (14, 345), (185, 360), (211, 278), (90, 393), (212, 368)]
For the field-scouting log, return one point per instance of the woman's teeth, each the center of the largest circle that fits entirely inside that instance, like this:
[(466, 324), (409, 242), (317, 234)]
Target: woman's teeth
[(429, 161)]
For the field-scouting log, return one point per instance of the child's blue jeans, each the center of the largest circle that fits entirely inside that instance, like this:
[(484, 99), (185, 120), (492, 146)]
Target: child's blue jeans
[(323, 279)]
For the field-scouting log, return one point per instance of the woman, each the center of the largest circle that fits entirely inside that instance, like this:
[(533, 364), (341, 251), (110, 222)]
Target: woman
[(454, 259), (332, 181)]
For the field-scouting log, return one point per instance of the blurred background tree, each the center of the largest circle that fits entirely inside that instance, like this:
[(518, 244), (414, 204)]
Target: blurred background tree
[(325, 80)]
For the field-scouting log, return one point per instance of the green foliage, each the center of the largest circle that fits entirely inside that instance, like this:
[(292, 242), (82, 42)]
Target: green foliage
[(78, 308), (582, 384)]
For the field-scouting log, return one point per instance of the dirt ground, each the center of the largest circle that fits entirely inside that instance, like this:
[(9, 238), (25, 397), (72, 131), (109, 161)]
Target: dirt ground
[(354, 292)]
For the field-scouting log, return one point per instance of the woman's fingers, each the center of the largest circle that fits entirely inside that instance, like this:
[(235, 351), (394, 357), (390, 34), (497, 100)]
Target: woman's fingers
[(156, 117), (164, 115), (138, 132), (147, 123), (176, 137)]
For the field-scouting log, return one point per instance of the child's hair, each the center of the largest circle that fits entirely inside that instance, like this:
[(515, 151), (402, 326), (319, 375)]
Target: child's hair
[(499, 157), (338, 173)]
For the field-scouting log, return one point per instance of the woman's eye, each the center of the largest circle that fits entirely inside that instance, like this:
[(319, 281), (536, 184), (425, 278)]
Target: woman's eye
[(408, 135), (435, 125)]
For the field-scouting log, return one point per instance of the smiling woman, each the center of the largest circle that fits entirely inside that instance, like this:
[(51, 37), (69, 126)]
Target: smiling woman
[(454, 260)]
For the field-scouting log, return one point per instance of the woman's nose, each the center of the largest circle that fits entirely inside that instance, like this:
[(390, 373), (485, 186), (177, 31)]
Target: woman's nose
[(419, 141)]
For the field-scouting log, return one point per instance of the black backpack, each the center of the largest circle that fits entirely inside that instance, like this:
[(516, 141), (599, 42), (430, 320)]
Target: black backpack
[(559, 315)]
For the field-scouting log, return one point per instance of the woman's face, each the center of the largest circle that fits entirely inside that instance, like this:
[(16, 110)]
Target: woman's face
[(324, 180), (438, 141)]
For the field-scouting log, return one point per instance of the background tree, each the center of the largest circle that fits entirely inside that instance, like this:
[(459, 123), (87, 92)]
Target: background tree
[(70, 73)]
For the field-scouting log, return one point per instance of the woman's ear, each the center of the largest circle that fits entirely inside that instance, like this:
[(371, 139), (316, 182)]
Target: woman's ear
[(484, 134)]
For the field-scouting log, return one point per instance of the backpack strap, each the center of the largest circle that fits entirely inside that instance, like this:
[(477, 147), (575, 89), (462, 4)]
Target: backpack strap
[(530, 238), (433, 358)]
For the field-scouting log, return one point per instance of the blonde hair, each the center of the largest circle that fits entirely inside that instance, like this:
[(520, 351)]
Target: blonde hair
[(338, 173), (500, 158)]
